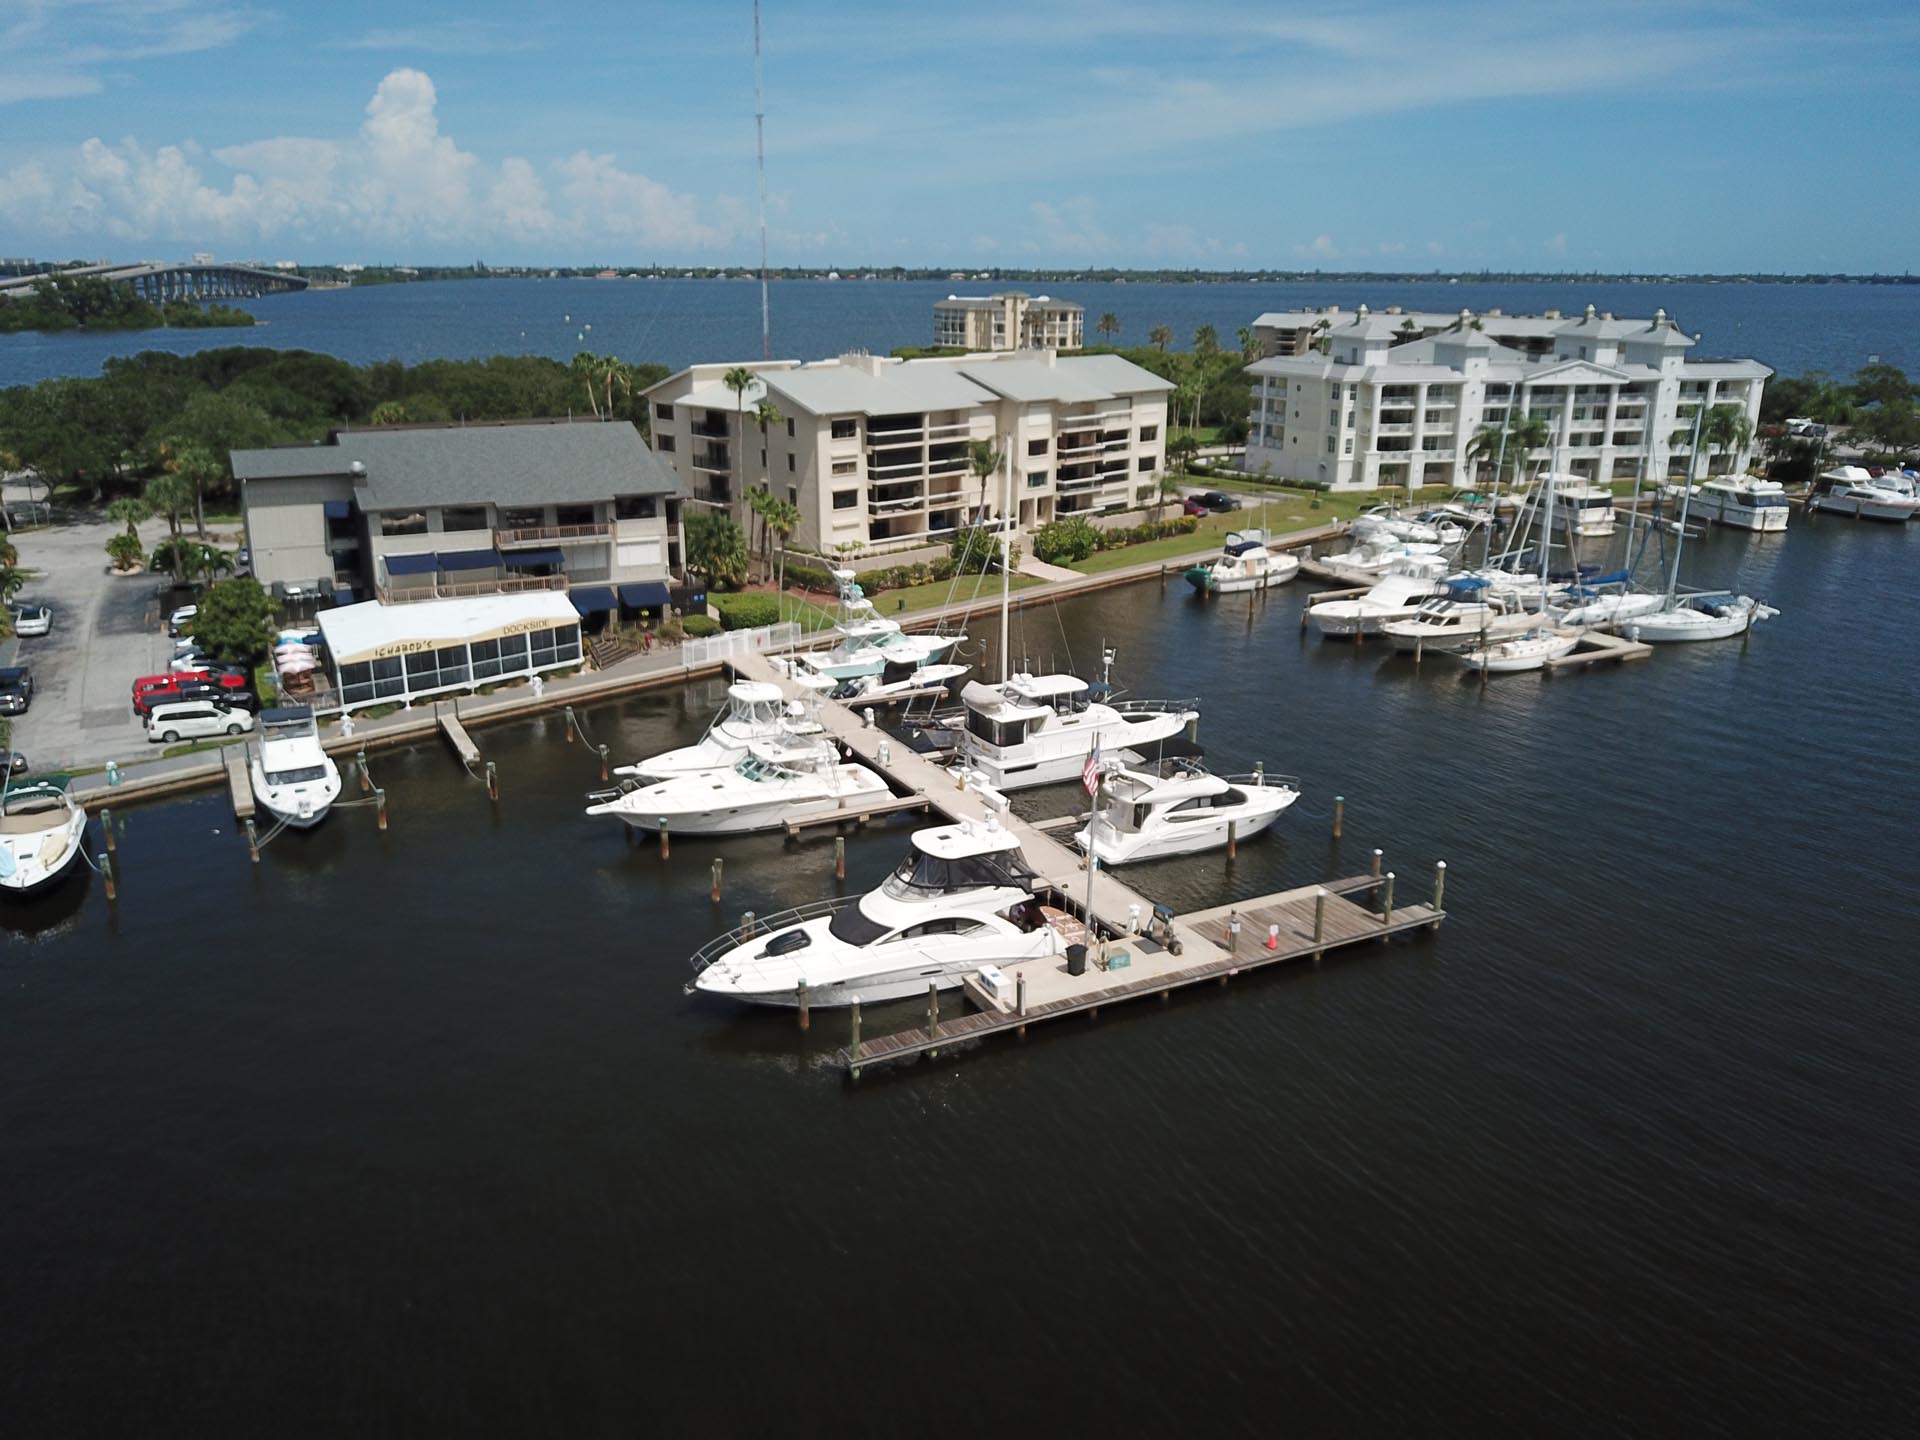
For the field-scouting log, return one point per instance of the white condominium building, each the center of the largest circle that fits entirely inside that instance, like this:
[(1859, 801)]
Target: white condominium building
[(1008, 322), (876, 451), (1395, 400)]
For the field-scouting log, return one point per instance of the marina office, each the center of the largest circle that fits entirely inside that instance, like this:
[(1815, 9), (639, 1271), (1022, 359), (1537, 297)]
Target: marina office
[(401, 514)]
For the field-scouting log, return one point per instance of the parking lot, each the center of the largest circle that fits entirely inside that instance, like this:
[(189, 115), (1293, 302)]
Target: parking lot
[(106, 631)]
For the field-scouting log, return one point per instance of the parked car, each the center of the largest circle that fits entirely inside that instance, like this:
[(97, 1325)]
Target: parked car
[(13, 762), (1219, 502), (30, 619), (195, 720), (1195, 506), (16, 690), (192, 658), (152, 690), (180, 619)]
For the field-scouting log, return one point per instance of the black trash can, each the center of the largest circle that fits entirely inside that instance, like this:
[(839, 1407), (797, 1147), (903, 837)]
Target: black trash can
[(1076, 959)]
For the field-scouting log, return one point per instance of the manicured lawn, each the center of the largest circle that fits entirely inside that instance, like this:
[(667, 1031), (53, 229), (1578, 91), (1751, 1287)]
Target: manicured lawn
[(793, 606), (1288, 511), (946, 592), (1205, 434)]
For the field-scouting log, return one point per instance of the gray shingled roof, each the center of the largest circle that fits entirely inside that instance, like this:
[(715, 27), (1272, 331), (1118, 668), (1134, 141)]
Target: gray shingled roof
[(475, 464), (901, 388)]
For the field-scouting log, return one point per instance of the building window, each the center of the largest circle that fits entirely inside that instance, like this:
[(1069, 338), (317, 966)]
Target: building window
[(790, 465), (845, 428), (574, 515), (1149, 433), (793, 494), (1349, 449), (1146, 462), (412, 522), (525, 519), (1037, 479), (1036, 447), (789, 427), (846, 467), (1329, 444), (463, 517), (845, 499), (663, 443), (635, 507), (663, 412)]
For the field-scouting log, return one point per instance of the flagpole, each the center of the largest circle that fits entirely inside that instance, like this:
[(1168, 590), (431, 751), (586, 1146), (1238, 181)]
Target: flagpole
[(1093, 815)]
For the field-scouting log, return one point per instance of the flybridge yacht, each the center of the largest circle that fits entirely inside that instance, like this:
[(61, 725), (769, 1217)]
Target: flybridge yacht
[(868, 641), (1581, 508), (1856, 491), (1459, 618), (294, 780), (1410, 580), (1245, 564), (754, 711), (963, 899), (895, 680), (1143, 815), (780, 779), (1739, 501), (42, 835), (1040, 729)]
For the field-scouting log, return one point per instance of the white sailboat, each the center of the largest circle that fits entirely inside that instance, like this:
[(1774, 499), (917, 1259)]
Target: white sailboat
[(1245, 564), (780, 779), (293, 778), (42, 835), (1410, 580), (1146, 815), (754, 711), (963, 900), (1532, 648)]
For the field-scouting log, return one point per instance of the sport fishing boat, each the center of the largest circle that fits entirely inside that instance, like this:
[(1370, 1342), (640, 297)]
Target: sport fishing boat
[(1145, 815), (1459, 617), (1856, 491), (1700, 617), (1743, 502), (42, 835), (868, 641), (1410, 580), (779, 779), (963, 900), (1040, 729), (294, 780), (754, 711), (1245, 564)]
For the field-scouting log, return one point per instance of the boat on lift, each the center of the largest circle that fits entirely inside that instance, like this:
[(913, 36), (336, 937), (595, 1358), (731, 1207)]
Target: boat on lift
[(293, 778), (755, 710), (1245, 564), (963, 900), (42, 835), (1178, 809), (1410, 580), (780, 779)]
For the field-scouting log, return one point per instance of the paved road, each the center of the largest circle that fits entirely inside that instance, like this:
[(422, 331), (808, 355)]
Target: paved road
[(106, 631)]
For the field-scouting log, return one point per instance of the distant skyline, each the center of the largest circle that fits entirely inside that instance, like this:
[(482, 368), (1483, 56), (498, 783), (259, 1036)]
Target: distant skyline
[(1694, 135)]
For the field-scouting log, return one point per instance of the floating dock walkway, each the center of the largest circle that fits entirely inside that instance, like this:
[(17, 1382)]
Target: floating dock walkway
[(239, 782), (1214, 944)]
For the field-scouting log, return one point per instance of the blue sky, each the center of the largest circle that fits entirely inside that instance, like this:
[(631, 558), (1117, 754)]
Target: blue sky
[(1689, 134)]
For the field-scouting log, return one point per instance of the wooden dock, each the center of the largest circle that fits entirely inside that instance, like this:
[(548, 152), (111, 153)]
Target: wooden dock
[(457, 737), (1598, 645), (858, 814), (239, 782)]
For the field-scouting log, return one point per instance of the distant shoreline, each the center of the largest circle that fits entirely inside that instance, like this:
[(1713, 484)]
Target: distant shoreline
[(330, 277)]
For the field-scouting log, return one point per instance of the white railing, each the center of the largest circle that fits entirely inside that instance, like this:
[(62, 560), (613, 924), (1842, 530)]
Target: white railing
[(729, 643)]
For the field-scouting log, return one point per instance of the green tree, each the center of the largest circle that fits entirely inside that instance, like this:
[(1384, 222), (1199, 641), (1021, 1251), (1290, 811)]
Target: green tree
[(1206, 341), (1249, 344), (1488, 447), (1526, 434), (130, 510), (766, 415), (1882, 385), (739, 380), (715, 547), (983, 459), (126, 552), (1726, 430), (781, 518), (234, 620), (1166, 491), (758, 500), (1161, 336), (171, 494), (201, 469), (1181, 449), (1071, 538), (1109, 325), (389, 412)]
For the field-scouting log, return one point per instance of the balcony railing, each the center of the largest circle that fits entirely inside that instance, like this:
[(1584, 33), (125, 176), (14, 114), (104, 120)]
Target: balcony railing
[(717, 461), (527, 535), (711, 431), (507, 585)]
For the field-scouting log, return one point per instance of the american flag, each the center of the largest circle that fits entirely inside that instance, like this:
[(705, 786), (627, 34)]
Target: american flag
[(1090, 775)]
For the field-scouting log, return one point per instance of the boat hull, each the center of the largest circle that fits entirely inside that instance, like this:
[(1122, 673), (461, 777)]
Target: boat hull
[(1122, 848), (1861, 507), (1662, 630), (28, 879), (1141, 736), (749, 818)]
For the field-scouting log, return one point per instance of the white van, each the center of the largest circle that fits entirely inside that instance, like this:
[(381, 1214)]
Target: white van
[(195, 720)]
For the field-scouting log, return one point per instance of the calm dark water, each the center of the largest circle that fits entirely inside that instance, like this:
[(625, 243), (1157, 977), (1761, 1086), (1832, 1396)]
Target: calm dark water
[(415, 1132), (677, 322)]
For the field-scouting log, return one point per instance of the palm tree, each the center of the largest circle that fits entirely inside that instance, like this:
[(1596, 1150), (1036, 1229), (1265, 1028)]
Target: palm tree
[(984, 460), (171, 494), (389, 412), (781, 517), (739, 380), (1161, 335), (130, 510), (1206, 341), (1187, 392), (1526, 434), (1726, 428), (1167, 489), (766, 414), (759, 501), (1109, 324), (584, 364), (1249, 344), (1181, 449)]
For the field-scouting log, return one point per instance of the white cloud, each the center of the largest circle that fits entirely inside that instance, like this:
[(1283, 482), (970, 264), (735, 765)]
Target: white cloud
[(1071, 227), (1556, 244), (631, 206), (1321, 247), (466, 36), (56, 49)]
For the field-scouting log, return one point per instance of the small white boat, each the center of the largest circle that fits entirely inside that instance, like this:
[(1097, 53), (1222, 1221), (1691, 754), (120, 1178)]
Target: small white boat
[(1460, 617), (1580, 507), (1854, 490), (1039, 729), (780, 779), (754, 711), (293, 778), (1529, 650), (1245, 564), (1368, 560), (42, 835), (1743, 503), (962, 902), (1142, 815), (1700, 617), (1410, 580), (1386, 521)]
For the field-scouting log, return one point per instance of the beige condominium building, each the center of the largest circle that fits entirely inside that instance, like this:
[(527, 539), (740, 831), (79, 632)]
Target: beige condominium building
[(1357, 401), (1008, 322), (876, 451), (401, 514)]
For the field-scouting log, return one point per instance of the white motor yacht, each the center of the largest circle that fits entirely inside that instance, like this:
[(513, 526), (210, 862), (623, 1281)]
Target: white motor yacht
[(1368, 560), (1245, 564), (1581, 508), (294, 780), (1854, 490), (42, 835), (1144, 815), (868, 641), (1040, 729), (1700, 617), (1386, 521), (894, 682), (754, 711), (1468, 610), (780, 779), (1410, 580), (961, 901), (1739, 501)]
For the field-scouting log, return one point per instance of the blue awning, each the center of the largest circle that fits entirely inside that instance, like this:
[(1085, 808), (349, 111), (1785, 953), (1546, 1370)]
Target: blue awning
[(594, 599), (338, 509), (412, 564), (343, 597), (643, 594), (528, 559), (469, 559)]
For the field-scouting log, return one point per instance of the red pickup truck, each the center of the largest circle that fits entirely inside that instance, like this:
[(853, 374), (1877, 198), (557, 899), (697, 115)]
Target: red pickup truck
[(152, 690)]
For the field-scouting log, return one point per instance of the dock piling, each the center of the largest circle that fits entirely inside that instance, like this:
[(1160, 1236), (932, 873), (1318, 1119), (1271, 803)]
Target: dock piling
[(1233, 932), (717, 864), (839, 857), (853, 1024), (1386, 904), (493, 782), (570, 726), (1319, 923), (106, 830), (666, 844), (380, 808), (933, 1013), (366, 780), (1377, 858), (1339, 814), (106, 874), (800, 999), (1233, 839), (746, 926), (603, 764), (253, 842), (1259, 772), (1439, 890)]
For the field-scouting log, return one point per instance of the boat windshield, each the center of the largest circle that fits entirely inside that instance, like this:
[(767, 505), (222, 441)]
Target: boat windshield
[(296, 776), (754, 768), (921, 876)]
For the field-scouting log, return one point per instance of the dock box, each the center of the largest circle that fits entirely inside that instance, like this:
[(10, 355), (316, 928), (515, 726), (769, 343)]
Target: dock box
[(994, 982)]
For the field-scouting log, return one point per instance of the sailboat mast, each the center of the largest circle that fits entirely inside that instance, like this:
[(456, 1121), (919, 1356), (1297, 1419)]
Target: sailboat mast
[(1006, 554), (1686, 500), (760, 165)]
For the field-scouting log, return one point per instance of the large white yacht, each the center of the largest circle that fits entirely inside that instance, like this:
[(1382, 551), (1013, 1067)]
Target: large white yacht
[(294, 780), (868, 641), (779, 779), (1856, 491), (1580, 507), (1410, 580), (754, 711), (1040, 729), (1145, 815), (963, 899), (1738, 501), (1245, 563), (42, 835)]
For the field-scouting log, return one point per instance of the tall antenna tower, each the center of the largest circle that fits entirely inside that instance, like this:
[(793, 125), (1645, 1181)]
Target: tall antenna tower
[(760, 162)]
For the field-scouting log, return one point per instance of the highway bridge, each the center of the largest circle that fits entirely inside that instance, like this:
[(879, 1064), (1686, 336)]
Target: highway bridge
[(158, 281)]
